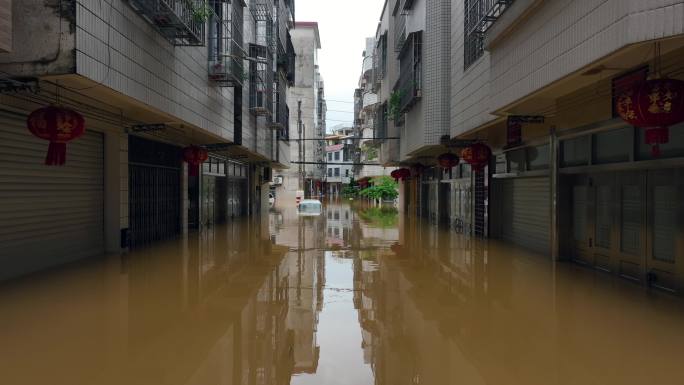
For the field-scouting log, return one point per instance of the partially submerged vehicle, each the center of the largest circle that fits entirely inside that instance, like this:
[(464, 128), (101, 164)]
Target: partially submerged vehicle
[(310, 207)]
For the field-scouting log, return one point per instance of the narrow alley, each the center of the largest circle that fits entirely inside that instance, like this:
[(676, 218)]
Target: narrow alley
[(355, 296)]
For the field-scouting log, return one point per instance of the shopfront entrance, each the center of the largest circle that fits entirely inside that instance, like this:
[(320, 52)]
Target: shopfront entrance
[(630, 223)]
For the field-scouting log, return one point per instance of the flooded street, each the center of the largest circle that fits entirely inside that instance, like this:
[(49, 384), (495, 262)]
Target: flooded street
[(354, 296)]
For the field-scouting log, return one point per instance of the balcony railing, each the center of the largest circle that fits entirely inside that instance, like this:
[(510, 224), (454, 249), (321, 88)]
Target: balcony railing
[(182, 22), (226, 50)]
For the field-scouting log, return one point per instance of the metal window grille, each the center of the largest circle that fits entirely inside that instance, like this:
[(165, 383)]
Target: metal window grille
[(479, 17), (260, 81), (226, 50), (400, 29), (282, 114), (182, 22), (410, 71), (380, 122)]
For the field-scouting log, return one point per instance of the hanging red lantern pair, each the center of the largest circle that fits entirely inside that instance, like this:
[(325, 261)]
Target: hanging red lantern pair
[(58, 125), (653, 105), (401, 173), (194, 156), (477, 156), (448, 160)]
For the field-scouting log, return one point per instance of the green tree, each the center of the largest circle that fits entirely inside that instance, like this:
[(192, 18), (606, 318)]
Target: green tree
[(383, 188)]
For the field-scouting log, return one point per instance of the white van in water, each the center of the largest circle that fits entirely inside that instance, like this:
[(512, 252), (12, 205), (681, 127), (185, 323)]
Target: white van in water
[(309, 207)]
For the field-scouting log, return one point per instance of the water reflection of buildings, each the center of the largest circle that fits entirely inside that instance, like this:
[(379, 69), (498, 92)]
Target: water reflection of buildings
[(226, 308), (338, 224), (306, 278), (441, 308)]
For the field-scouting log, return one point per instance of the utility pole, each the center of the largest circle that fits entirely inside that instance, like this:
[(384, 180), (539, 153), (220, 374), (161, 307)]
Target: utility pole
[(300, 144)]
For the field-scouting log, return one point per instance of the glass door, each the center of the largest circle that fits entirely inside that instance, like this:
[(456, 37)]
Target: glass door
[(665, 220), (582, 225), (631, 225), (603, 208)]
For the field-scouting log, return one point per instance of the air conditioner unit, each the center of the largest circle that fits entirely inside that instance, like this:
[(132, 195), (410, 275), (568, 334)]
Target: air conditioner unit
[(277, 181)]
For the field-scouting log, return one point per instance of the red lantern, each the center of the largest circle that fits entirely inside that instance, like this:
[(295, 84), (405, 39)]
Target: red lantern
[(401, 173), (477, 156), (194, 156), (448, 160), (653, 105), (58, 125)]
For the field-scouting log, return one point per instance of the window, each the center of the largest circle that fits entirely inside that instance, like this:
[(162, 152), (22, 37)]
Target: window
[(479, 15), (337, 155), (575, 152), (538, 157), (474, 40), (330, 156), (613, 146), (410, 72), (337, 171), (346, 172), (330, 172)]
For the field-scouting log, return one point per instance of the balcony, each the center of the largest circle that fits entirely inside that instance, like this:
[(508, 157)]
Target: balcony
[(291, 57), (226, 50), (182, 22)]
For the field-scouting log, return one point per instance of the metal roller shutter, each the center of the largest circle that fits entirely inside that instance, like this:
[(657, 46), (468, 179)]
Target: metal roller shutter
[(525, 212), (48, 215)]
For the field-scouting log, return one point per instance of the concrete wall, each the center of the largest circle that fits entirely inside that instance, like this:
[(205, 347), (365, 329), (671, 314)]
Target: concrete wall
[(5, 25), (307, 81), (50, 52)]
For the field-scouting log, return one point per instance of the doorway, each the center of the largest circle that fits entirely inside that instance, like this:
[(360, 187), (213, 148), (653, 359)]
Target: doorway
[(630, 224)]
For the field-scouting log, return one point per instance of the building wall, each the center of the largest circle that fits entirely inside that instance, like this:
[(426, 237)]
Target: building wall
[(116, 47), (5, 25), (556, 39), (470, 89), (307, 82)]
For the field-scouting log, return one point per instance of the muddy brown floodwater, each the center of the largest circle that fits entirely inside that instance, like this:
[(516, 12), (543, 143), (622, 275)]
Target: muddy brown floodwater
[(354, 296)]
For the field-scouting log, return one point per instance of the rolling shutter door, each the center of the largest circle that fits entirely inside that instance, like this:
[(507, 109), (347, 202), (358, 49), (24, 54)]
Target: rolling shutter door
[(48, 215), (525, 212)]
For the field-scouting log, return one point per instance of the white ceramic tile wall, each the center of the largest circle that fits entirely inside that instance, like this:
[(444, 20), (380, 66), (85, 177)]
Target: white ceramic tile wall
[(118, 48)]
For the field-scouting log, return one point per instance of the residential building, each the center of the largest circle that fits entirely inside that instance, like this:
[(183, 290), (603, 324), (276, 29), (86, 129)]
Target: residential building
[(307, 96), (365, 114), (150, 77), (339, 152), (539, 83), (412, 86)]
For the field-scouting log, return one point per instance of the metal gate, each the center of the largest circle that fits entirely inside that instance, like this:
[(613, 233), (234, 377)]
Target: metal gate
[(524, 212), (154, 191), (48, 215)]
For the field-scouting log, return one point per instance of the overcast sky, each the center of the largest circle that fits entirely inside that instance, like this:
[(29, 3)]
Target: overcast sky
[(344, 27)]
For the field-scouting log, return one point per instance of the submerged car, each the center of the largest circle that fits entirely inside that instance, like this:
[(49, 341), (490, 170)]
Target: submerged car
[(310, 207)]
